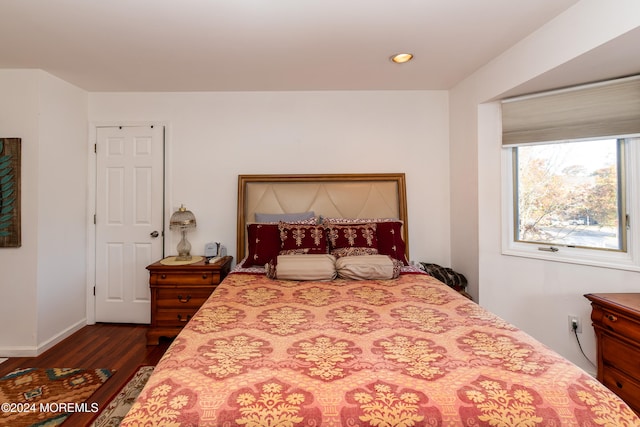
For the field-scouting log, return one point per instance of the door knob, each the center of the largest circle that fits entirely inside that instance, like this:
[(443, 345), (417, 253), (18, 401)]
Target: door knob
[(154, 234)]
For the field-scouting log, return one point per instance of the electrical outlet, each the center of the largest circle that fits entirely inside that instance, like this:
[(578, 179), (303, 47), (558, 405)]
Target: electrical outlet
[(575, 324)]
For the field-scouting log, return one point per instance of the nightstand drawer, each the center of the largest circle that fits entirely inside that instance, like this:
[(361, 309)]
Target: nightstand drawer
[(621, 356), (623, 386), (181, 297), (614, 322), (174, 317), (204, 278)]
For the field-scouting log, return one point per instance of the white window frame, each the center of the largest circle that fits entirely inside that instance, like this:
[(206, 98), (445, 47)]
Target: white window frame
[(629, 260)]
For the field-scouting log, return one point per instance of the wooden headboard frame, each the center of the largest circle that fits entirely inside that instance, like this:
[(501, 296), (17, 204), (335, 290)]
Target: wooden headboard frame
[(380, 195)]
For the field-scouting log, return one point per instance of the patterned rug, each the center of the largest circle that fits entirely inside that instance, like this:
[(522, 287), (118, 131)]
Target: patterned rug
[(46, 397), (115, 411)]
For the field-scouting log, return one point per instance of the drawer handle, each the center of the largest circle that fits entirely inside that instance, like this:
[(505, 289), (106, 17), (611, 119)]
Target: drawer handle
[(184, 300), (186, 319), (163, 276), (619, 384), (611, 317), (204, 276)]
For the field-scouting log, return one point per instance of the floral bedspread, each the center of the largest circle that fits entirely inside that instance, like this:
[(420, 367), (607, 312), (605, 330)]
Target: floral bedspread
[(404, 352)]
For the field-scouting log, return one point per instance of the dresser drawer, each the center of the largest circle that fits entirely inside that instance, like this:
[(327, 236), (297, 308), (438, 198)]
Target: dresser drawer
[(181, 297), (204, 278), (618, 354), (614, 322), (623, 386)]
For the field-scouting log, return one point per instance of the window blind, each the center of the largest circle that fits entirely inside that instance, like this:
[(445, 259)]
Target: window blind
[(604, 109)]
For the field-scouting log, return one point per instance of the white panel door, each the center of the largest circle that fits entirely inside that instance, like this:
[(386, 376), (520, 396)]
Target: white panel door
[(129, 219)]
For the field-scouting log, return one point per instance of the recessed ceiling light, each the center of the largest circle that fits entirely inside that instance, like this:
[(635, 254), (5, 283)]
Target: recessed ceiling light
[(401, 58)]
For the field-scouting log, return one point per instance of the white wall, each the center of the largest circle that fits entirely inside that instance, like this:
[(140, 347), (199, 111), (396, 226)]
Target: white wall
[(18, 266), (43, 281), (62, 198), (214, 137), (536, 296)]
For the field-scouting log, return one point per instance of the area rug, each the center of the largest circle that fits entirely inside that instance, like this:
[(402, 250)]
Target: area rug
[(118, 407), (46, 397)]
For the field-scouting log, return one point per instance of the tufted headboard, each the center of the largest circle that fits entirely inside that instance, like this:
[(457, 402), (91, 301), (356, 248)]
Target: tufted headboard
[(328, 195)]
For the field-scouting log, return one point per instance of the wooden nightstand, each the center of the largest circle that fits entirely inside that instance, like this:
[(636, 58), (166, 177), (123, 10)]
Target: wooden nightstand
[(178, 291), (616, 320)]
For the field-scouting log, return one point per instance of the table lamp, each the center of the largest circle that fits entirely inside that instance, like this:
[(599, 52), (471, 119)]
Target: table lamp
[(183, 220)]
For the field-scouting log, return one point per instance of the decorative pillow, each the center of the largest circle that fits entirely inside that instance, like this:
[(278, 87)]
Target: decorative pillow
[(340, 252), (362, 236), (372, 267), (300, 238), (285, 217), (390, 241), (302, 267), (388, 232), (263, 241)]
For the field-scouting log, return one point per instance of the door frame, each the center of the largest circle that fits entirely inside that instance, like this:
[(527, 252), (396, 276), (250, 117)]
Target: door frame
[(92, 199)]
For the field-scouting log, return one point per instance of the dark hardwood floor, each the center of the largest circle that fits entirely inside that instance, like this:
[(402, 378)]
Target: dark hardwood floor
[(118, 347)]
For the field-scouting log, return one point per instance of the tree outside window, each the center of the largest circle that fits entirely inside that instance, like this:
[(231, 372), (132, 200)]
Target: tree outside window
[(570, 194)]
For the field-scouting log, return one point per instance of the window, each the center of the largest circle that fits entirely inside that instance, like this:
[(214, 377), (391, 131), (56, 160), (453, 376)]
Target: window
[(571, 167), (572, 202), (571, 194)]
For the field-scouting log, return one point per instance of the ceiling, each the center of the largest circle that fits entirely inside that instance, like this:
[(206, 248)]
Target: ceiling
[(254, 45)]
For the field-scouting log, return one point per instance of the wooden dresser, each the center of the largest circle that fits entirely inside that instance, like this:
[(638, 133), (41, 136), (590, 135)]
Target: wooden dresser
[(616, 320), (178, 291)]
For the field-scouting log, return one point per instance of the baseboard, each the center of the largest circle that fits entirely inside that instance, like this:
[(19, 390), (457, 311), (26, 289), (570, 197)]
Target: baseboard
[(18, 351), (61, 336), (33, 351)]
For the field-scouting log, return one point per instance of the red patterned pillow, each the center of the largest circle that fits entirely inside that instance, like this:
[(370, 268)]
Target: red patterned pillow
[(302, 239), (390, 241), (342, 252), (388, 232), (263, 242), (361, 236)]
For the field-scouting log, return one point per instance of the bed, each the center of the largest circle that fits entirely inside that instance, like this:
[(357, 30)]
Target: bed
[(366, 345)]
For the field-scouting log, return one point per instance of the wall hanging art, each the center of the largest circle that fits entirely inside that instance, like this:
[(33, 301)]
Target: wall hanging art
[(10, 193)]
